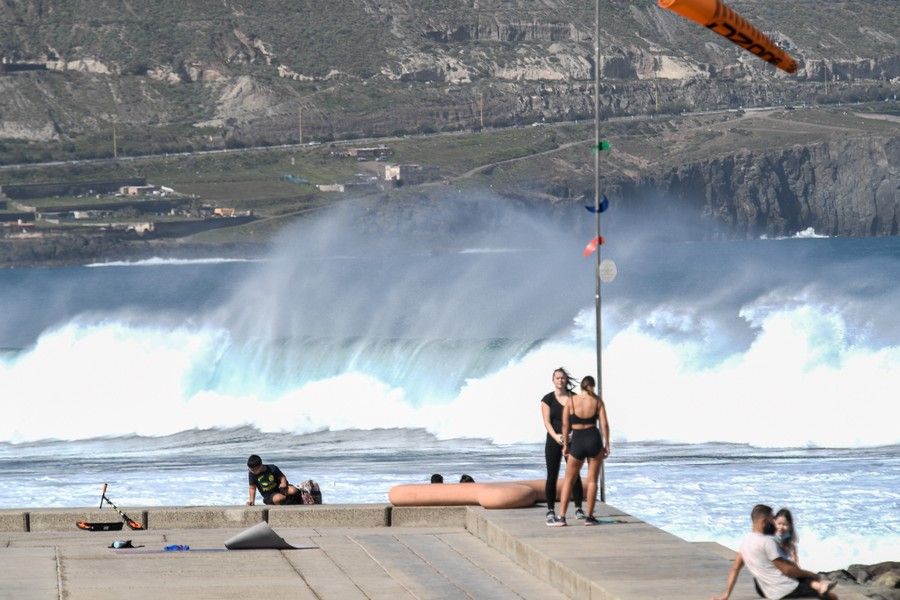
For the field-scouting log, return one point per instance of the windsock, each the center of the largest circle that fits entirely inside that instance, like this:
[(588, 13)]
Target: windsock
[(592, 245), (716, 15)]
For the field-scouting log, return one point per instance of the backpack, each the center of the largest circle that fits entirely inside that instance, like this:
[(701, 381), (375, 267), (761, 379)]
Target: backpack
[(309, 491)]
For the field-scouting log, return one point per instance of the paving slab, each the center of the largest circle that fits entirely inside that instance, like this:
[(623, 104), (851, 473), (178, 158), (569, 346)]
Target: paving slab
[(403, 565), (471, 578), (368, 575), (28, 573), (511, 575), (323, 576), (100, 575), (717, 549)]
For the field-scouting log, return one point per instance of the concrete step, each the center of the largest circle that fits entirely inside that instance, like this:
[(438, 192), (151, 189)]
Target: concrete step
[(322, 575), (369, 576), (461, 570), (511, 575), (410, 570)]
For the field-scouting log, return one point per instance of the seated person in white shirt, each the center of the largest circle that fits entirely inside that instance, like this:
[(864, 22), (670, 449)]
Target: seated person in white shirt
[(775, 576)]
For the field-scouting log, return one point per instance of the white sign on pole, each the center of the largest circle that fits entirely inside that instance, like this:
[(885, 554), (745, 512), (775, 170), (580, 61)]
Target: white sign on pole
[(607, 270)]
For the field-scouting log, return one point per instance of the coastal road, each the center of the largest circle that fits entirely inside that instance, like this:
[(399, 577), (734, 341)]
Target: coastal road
[(374, 140)]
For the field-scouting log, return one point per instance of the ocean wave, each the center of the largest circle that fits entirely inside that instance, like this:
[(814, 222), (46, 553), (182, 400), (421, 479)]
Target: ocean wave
[(792, 387), (157, 261)]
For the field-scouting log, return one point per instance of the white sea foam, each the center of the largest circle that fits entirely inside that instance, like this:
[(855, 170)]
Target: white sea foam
[(490, 250), (806, 234), (157, 261), (796, 385), (809, 233)]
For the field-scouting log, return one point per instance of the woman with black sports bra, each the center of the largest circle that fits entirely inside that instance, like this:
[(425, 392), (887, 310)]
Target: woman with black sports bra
[(552, 407), (580, 417)]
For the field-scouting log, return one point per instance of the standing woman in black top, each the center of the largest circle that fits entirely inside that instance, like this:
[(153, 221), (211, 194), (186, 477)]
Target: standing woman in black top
[(582, 416), (552, 406)]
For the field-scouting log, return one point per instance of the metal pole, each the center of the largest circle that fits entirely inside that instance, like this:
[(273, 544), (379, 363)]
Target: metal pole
[(597, 218)]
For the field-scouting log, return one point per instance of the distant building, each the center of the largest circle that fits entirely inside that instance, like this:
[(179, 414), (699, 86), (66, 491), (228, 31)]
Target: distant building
[(137, 190), (352, 186), (330, 187), (222, 211), (372, 153), (80, 215), (410, 174)]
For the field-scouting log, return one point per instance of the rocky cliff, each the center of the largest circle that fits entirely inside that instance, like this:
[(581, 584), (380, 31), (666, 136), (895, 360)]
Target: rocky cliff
[(845, 188)]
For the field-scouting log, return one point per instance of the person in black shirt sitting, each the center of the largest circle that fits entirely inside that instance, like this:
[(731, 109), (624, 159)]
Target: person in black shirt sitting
[(271, 483)]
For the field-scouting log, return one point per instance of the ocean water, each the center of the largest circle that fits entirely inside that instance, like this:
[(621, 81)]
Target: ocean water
[(734, 373)]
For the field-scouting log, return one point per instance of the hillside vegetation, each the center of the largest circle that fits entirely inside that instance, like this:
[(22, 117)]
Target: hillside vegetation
[(210, 74)]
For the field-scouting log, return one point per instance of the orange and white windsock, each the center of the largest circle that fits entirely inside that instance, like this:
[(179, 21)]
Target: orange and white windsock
[(716, 15)]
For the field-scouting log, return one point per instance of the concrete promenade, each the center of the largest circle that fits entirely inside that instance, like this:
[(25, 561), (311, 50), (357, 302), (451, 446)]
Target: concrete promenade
[(361, 551)]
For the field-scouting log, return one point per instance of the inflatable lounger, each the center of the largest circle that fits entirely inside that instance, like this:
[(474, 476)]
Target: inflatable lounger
[(500, 494)]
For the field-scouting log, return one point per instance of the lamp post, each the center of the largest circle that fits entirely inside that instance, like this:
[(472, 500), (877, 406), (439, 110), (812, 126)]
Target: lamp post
[(597, 150)]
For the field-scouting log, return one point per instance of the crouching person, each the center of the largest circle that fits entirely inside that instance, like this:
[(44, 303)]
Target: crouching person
[(273, 486)]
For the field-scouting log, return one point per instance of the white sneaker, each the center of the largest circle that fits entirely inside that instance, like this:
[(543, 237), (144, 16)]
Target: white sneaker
[(557, 522)]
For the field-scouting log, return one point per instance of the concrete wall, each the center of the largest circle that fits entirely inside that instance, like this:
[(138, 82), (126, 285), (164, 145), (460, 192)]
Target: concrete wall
[(219, 517)]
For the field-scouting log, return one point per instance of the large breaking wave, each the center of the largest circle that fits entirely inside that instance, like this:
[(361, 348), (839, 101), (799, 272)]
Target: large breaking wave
[(800, 382), (770, 343)]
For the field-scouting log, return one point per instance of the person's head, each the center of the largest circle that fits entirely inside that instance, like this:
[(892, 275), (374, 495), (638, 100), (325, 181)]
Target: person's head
[(784, 526), (437, 478), (466, 479), (562, 381), (761, 516), (588, 384), (254, 463)]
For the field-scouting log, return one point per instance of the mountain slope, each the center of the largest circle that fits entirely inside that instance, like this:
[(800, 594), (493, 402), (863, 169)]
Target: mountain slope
[(173, 75)]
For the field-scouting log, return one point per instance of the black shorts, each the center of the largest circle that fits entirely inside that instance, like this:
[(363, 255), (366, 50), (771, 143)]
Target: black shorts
[(803, 589), (586, 443), (267, 498)]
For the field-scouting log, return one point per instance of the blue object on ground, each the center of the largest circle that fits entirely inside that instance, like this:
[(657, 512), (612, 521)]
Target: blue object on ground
[(177, 548)]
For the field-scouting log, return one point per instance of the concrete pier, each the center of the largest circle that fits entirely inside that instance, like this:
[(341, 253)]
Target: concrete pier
[(361, 551)]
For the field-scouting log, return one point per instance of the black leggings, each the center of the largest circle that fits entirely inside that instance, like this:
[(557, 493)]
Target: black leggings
[(553, 454)]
